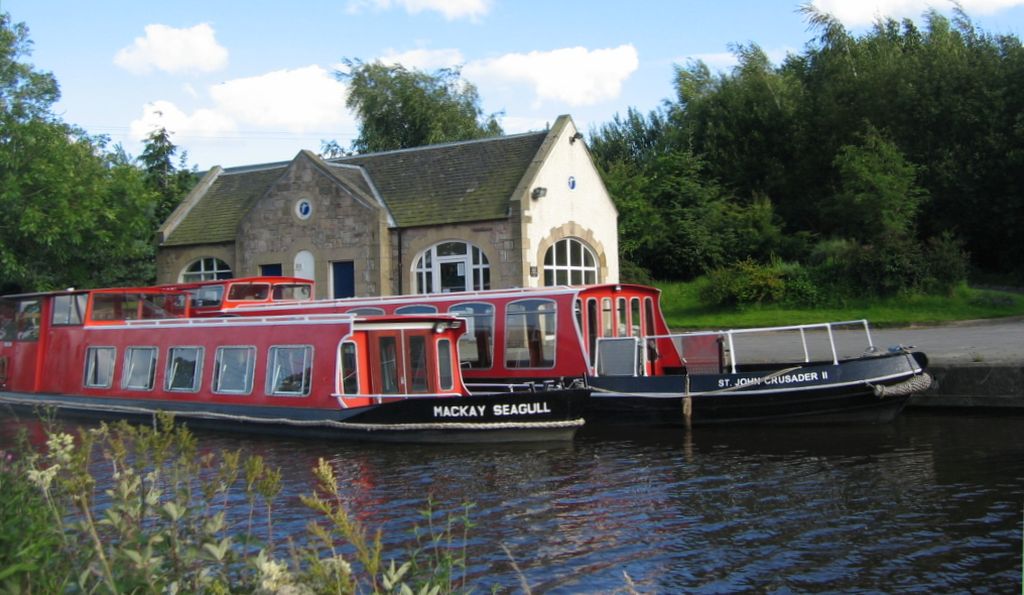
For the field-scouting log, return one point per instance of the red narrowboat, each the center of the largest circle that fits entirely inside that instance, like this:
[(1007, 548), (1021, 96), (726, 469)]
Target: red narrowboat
[(614, 339), (132, 352)]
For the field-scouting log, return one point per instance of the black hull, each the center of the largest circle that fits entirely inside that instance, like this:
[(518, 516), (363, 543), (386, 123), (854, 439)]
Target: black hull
[(506, 417), (865, 390)]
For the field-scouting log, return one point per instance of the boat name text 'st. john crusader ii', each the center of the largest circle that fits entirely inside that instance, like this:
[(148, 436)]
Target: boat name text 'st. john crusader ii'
[(614, 338), (131, 352)]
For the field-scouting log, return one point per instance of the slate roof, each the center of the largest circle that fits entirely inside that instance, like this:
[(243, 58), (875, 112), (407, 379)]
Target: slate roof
[(433, 185), (214, 218)]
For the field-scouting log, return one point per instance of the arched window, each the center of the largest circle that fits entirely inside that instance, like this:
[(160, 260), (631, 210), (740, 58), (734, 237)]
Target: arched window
[(206, 269), (452, 266), (570, 262)]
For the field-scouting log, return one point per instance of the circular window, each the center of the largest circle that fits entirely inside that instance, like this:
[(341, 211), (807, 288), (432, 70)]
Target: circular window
[(303, 208)]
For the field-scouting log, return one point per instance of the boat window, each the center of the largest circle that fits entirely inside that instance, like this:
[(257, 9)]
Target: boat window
[(139, 368), (634, 317), (184, 369), (419, 380), (476, 345), (27, 320), (366, 311), (295, 291), (592, 328), (623, 322), (444, 364), (249, 291), (289, 370), (7, 315), (652, 344), (349, 369), (417, 309), (211, 296), (69, 309), (233, 370), (108, 307), (388, 365), (99, 367), (530, 334), (607, 318)]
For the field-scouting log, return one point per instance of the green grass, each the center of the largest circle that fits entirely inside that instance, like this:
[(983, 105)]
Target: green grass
[(683, 310)]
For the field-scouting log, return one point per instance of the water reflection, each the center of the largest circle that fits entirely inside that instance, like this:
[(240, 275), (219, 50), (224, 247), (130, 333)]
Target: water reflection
[(929, 503)]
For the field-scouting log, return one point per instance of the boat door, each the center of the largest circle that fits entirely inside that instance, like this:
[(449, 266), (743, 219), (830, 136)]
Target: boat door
[(387, 365), (20, 326)]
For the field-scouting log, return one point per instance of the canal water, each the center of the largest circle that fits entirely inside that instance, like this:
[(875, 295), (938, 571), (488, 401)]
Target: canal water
[(930, 503)]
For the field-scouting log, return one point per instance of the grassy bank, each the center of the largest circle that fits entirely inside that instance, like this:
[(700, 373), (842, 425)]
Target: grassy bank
[(683, 309)]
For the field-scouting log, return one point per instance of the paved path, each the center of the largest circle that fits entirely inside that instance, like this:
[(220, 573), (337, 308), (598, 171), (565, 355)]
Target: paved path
[(982, 342), (987, 341)]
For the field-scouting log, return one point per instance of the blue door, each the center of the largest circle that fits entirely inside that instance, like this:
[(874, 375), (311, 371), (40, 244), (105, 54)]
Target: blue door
[(270, 270), (343, 279)]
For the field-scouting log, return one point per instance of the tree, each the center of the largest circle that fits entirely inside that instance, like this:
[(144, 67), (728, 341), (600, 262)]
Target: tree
[(170, 182), (25, 93), (878, 195), (399, 108), (71, 212)]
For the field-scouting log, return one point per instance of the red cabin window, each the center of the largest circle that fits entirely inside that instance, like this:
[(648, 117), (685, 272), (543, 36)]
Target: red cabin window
[(530, 334)]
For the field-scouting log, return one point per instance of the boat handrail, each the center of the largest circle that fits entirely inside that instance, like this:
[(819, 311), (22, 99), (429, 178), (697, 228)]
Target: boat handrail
[(802, 328), (235, 320)]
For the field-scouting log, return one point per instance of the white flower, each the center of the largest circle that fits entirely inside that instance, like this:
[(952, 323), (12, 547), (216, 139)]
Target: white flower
[(42, 478), (60, 447)]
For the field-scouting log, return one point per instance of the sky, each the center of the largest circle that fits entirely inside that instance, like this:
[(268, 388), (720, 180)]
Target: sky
[(243, 83)]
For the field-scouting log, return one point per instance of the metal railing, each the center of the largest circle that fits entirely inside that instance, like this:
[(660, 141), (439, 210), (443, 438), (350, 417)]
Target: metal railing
[(637, 355)]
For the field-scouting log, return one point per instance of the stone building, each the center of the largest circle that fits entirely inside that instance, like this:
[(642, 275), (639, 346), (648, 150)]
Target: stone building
[(515, 211)]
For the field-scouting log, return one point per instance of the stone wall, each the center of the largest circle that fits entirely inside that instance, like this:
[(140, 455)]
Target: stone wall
[(340, 226)]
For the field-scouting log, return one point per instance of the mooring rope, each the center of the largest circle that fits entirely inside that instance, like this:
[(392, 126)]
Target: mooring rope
[(910, 386), (329, 423)]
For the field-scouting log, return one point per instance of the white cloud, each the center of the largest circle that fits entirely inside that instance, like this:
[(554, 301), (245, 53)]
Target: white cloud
[(298, 100), (450, 9), (853, 13), (293, 101), (173, 50), (164, 114), (574, 76), (422, 59)]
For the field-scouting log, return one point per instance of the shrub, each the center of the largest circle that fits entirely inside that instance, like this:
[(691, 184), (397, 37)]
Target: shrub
[(164, 526), (945, 262), (747, 282)]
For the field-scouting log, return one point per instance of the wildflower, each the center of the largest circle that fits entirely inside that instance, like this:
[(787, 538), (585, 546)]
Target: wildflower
[(274, 576), (337, 566), (42, 478), (60, 446)]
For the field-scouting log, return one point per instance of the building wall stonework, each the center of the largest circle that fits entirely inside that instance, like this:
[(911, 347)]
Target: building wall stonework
[(339, 227)]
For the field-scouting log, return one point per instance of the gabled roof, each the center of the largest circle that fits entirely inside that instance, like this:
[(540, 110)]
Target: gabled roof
[(214, 217), (434, 185), (452, 183)]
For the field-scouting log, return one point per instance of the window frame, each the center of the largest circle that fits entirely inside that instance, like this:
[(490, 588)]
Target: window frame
[(470, 334), (129, 365), (250, 370), (197, 372), (216, 272), (566, 263), (546, 361), (90, 369), (426, 268), (306, 386)]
